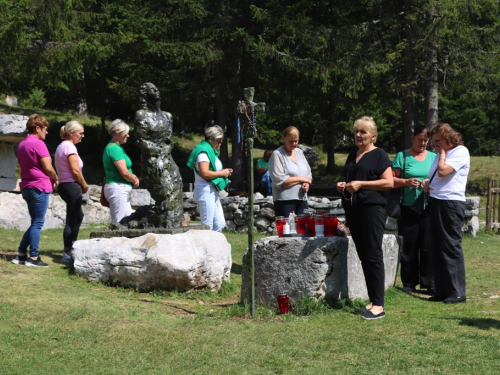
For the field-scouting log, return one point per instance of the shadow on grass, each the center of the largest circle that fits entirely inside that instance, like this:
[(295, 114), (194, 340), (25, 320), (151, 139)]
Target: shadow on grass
[(481, 323), (236, 269)]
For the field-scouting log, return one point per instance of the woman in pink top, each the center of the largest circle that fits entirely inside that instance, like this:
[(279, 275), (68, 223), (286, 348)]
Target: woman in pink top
[(38, 178), (72, 185)]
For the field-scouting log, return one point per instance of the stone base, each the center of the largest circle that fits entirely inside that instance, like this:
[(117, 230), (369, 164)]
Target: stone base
[(316, 267)]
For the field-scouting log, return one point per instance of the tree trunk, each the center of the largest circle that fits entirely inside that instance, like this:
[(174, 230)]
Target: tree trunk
[(221, 119), (431, 84), (238, 176), (409, 102), (330, 167)]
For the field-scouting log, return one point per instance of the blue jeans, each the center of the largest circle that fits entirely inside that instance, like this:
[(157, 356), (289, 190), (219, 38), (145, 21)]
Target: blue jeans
[(211, 212), (37, 201), (267, 183)]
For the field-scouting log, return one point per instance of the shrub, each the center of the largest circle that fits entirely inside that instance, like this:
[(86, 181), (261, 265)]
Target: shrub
[(36, 99)]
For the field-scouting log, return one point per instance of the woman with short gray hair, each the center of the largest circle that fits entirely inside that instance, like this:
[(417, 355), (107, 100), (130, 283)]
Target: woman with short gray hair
[(118, 168), (209, 178)]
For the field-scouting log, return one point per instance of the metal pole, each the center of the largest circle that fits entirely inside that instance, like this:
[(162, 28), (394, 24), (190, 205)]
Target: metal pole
[(250, 224)]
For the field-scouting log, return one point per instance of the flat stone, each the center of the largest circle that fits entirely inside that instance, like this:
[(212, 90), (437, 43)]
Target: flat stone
[(320, 268), (192, 260), (132, 233)]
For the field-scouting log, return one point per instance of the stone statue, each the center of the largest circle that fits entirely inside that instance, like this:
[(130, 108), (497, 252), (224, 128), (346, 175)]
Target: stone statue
[(159, 171)]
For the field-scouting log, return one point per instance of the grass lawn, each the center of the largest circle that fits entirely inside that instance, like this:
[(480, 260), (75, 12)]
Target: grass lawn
[(54, 322)]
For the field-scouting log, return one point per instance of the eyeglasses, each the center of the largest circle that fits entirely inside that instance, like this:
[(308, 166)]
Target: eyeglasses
[(43, 128), (219, 141)]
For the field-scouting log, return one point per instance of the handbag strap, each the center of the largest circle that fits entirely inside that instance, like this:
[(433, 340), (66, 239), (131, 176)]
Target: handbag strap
[(402, 189)]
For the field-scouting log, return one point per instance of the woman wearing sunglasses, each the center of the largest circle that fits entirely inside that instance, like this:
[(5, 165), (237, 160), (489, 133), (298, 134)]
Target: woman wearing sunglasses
[(368, 174), (209, 178)]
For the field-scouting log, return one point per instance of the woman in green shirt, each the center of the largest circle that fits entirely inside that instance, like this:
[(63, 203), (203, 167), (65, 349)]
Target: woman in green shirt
[(118, 168), (416, 259)]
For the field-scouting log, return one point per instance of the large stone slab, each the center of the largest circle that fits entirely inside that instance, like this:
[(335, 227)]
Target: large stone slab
[(13, 128), (315, 267), (191, 260)]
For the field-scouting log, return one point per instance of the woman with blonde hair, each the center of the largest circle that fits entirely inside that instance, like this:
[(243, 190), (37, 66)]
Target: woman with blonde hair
[(72, 185), (118, 168), (368, 175)]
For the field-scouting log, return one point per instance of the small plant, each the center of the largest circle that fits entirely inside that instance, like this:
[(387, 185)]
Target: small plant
[(36, 99)]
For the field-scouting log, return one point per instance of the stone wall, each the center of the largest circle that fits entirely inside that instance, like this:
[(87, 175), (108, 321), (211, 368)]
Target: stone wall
[(14, 212)]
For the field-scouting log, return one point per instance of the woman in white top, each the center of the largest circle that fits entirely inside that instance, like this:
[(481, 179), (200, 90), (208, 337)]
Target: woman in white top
[(72, 185), (210, 178), (447, 210), (290, 174)]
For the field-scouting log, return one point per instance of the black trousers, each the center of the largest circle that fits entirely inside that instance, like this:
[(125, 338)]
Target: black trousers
[(285, 208), (367, 225), (71, 193), (446, 243), (416, 257)]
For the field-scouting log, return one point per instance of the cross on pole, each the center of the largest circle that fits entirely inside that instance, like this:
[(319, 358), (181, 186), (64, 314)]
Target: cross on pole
[(247, 126)]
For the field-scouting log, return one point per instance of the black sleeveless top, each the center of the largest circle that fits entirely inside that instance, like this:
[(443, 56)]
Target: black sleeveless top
[(369, 168)]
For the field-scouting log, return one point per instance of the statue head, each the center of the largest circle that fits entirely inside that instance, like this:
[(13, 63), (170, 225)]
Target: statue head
[(148, 94)]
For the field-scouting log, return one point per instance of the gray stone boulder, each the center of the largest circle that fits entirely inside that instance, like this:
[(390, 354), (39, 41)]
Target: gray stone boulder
[(311, 155), (197, 259), (317, 267)]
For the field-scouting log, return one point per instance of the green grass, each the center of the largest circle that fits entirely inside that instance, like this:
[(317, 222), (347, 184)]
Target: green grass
[(54, 322)]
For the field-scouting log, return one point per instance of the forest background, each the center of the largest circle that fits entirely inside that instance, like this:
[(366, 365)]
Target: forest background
[(317, 64)]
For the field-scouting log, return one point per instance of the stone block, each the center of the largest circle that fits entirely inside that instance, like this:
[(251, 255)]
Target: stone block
[(267, 212), (261, 223), (232, 206), (230, 225), (320, 268), (197, 259), (471, 203), (8, 161), (9, 184), (471, 226), (13, 128), (140, 197), (228, 215)]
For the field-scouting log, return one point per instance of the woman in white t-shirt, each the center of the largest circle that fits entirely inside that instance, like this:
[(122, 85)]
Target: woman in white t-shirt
[(72, 185), (209, 178), (447, 211)]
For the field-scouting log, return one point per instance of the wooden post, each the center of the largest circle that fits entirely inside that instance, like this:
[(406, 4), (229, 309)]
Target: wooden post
[(488, 206)]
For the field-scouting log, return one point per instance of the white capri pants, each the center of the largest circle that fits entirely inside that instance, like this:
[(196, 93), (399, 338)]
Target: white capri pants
[(118, 196), (211, 212)]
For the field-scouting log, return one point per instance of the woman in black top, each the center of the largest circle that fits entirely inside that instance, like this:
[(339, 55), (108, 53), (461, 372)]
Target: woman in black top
[(368, 174)]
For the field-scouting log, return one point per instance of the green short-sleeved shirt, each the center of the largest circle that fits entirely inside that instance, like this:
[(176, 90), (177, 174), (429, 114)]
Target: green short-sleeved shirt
[(413, 169), (262, 164), (114, 152)]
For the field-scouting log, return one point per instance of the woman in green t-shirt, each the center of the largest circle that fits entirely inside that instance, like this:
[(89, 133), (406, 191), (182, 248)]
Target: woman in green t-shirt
[(416, 259), (118, 168)]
